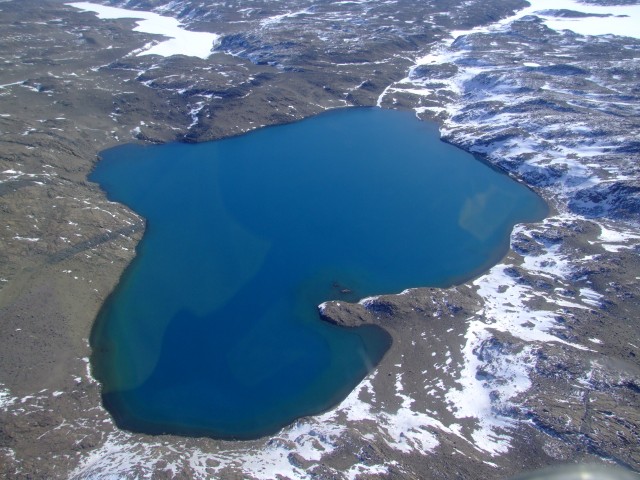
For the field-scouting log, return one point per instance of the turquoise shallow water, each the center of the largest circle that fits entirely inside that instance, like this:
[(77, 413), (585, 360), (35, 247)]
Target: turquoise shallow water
[(213, 329)]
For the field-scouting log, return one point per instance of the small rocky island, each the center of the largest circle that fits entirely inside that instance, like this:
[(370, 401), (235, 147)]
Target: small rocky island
[(532, 363)]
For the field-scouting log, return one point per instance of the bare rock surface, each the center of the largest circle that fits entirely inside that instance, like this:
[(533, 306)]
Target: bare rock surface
[(533, 363)]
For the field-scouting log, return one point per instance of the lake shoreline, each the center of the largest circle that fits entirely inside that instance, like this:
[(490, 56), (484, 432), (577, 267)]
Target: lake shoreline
[(52, 423), (395, 313), (249, 219)]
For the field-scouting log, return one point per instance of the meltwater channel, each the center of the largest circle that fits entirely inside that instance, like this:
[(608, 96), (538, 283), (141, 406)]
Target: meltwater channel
[(214, 330)]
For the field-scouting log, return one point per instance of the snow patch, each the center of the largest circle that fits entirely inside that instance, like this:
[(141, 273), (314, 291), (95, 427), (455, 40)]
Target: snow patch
[(181, 41), (6, 399), (26, 239), (620, 20), (408, 430), (495, 372), (591, 297), (355, 472), (275, 19), (615, 240)]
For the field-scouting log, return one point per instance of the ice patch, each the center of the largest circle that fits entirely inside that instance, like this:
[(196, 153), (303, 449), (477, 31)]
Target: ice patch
[(181, 41)]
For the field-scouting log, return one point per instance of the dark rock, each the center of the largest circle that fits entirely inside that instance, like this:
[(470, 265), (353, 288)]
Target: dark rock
[(619, 199), (565, 13)]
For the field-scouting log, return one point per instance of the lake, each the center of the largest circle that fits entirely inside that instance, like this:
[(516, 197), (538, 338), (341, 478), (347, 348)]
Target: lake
[(213, 330)]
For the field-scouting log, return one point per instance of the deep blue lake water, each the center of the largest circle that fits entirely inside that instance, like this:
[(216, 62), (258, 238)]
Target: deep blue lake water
[(214, 330)]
